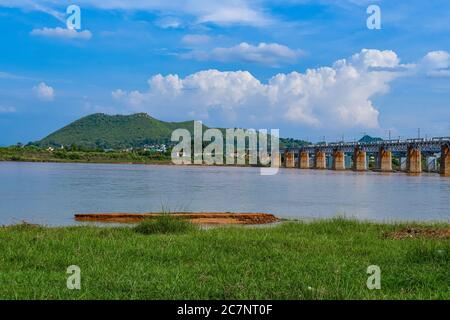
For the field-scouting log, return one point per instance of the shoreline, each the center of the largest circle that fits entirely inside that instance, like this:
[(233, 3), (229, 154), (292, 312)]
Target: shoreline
[(123, 222), (169, 163)]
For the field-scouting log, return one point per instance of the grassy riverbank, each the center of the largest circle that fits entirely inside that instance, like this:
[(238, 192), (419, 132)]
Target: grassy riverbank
[(34, 154), (319, 260)]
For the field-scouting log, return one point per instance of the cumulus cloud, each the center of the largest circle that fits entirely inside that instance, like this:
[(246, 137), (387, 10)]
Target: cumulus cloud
[(340, 94), (44, 92), (272, 54), (436, 64), (62, 33)]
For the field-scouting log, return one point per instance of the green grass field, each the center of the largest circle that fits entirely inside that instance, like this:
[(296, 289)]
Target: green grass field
[(292, 260)]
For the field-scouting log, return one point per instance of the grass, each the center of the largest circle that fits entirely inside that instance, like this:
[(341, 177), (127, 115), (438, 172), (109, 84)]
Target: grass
[(164, 224), (319, 260)]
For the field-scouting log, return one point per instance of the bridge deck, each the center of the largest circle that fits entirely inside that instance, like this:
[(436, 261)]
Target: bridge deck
[(425, 145)]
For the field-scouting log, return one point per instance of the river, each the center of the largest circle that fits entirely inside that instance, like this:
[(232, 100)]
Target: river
[(51, 193)]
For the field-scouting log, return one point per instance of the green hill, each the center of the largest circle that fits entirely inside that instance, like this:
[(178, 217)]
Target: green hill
[(114, 131), (121, 131)]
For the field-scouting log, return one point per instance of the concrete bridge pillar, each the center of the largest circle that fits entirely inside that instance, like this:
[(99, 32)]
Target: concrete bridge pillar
[(276, 159), (445, 161), (320, 160), (385, 160), (304, 160), (414, 160), (289, 159), (359, 160), (338, 160)]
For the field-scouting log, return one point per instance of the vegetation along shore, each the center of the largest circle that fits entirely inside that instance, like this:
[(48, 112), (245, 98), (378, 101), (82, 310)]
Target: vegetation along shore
[(76, 154)]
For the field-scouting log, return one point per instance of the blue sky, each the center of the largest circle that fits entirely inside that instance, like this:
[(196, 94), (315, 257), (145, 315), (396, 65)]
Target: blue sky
[(309, 68)]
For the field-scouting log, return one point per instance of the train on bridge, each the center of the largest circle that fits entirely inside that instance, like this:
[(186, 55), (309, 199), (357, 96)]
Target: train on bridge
[(413, 155)]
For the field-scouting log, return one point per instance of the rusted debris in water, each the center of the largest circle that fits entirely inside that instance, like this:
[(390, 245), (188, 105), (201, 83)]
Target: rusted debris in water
[(198, 218)]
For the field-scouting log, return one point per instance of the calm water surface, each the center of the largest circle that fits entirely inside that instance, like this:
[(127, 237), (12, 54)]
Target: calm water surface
[(51, 194)]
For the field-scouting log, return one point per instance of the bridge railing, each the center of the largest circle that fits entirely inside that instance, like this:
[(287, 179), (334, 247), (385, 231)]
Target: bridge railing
[(395, 144)]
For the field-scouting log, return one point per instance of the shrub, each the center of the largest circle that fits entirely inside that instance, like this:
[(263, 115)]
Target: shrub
[(16, 158), (164, 224), (74, 156)]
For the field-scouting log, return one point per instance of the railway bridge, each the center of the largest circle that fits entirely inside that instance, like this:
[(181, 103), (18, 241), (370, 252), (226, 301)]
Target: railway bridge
[(412, 155)]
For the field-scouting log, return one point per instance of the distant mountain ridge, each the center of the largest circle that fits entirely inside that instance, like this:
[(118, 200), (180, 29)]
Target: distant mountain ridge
[(369, 139), (104, 131)]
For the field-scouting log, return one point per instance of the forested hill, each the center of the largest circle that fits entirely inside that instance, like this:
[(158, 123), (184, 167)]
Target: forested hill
[(121, 131), (114, 131)]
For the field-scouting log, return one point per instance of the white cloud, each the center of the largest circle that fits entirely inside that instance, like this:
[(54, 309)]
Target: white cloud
[(272, 54), (436, 64), (44, 92), (376, 59), (224, 12), (4, 109), (169, 23), (38, 5), (117, 94), (62, 33), (229, 14), (195, 39), (6, 75), (339, 95), (10, 76)]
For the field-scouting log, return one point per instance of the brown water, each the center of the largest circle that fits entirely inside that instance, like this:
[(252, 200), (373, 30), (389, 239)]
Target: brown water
[(51, 193)]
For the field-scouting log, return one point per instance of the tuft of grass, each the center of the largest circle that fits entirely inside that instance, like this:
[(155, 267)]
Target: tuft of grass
[(164, 224)]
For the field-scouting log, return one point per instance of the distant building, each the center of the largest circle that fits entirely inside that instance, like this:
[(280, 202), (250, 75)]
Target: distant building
[(155, 147)]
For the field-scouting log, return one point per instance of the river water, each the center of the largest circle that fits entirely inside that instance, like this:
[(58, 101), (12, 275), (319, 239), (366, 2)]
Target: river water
[(50, 193)]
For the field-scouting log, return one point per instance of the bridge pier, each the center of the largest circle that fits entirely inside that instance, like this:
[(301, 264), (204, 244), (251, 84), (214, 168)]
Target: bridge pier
[(276, 160), (445, 161), (320, 160), (359, 160), (289, 159), (385, 160), (414, 160), (338, 160), (304, 160)]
